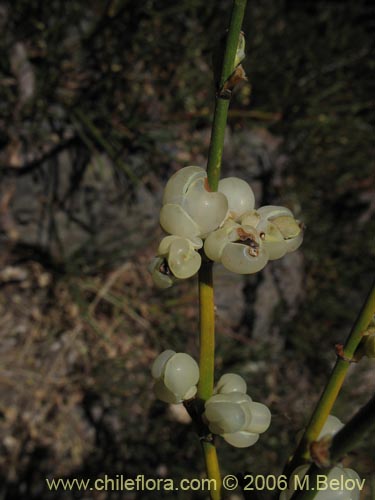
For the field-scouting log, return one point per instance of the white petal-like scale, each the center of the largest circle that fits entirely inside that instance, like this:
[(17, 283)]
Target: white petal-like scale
[(231, 382), (239, 194), (271, 211), (294, 243), (175, 220), (161, 280), (208, 209), (181, 373), (250, 218), (216, 241), (236, 257), (158, 366), (164, 394), (166, 243), (288, 226), (280, 234), (260, 417), (179, 183), (183, 260), (225, 417), (231, 397), (190, 393), (241, 439), (272, 239), (331, 426)]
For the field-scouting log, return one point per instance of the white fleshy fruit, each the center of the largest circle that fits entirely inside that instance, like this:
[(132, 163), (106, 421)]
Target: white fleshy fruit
[(183, 260), (230, 382), (158, 366), (176, 376), (166, 242), (208, 209), (217, 240), (246, 255), (177, 186), (239, 194), (281, 233), (176, 221), (238, 247), (224, 416), (258, 417), (200, 210), (241, 439), (234, 415)]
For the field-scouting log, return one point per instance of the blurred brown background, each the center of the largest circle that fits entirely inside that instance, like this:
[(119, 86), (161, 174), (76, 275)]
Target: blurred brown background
[(100, 103)]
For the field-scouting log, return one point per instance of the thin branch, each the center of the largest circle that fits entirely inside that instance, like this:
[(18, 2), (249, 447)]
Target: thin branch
[(334, 384), (343, 442)]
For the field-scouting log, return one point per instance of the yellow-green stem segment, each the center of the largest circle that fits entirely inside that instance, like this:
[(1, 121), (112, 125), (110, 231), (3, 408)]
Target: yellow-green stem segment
[(206, 292), (215, 151), (207, 331), (343, 442), (334, 384)]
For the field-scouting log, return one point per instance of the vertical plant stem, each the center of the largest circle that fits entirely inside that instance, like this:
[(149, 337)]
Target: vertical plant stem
[(206, 291), (206, 365), (334, 384), (222, 104), (207, 331)]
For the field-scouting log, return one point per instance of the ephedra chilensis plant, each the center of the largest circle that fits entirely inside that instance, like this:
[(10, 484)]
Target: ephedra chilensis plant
[(211, 220)]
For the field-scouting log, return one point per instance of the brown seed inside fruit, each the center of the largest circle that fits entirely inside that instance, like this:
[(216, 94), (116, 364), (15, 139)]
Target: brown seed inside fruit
[(164, 268), (248, 239)]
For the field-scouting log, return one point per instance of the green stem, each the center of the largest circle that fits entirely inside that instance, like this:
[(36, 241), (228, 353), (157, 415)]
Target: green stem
[(207, 331), (342, 443), (334, 384), (215, 152), (206, 291)]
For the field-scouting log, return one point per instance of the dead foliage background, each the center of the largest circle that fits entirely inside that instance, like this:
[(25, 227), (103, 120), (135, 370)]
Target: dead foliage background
[(99, 104)]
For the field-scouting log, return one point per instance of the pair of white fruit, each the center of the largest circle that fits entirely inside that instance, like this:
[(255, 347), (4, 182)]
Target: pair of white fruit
[(336, 477), (230, 412), (234, 233)]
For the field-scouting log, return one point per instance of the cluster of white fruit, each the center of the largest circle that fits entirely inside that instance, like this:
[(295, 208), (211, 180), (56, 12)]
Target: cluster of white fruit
[(338, 475), (234, 233), (230, 412)]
